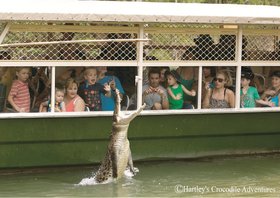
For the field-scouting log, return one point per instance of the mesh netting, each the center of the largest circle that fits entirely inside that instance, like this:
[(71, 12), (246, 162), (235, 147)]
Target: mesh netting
[(168, 42), (261, 48), (71, 51), (191, 47), (54, 46)]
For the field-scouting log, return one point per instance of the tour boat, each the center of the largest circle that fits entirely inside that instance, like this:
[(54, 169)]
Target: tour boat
[(129, 38)]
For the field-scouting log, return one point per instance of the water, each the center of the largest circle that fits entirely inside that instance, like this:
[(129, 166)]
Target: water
[(217, 177)]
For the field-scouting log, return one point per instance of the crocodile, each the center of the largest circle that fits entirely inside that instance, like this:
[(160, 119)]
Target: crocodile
[(118, 156)]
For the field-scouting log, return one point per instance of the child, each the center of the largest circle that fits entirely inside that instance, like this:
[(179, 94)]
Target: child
[(272, 95), (249, 95), (176, 90), (59, 103), (19, 96), (90, 90)]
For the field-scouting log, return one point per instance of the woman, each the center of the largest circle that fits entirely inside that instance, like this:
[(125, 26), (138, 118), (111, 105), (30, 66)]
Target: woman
[(219, 96), (272, 94), (73, 102)]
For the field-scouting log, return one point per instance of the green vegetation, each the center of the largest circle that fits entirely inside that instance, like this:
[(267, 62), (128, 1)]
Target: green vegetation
[(252, 2)]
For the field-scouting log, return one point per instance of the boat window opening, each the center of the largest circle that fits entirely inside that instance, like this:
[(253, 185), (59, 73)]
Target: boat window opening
[(260, 87), (55, 52)]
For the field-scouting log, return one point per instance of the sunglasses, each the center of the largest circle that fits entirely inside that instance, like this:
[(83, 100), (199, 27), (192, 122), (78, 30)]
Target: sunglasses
[(220, 80)]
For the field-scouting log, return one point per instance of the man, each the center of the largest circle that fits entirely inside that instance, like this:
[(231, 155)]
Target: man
[(154, 95)]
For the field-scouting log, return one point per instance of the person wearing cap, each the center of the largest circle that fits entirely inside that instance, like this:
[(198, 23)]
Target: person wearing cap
[(154, 95), (272, 94), (176, 90), (249, 95)]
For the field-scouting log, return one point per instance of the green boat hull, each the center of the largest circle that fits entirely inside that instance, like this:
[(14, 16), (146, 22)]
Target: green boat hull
[(80, 141)]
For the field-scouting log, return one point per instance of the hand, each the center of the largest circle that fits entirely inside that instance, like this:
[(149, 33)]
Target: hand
[(178, 96), (112, 84), (21, 110), (159, 91), (271, 104), (193, 92), (118, 97), (57, 109), (208, 85), (107, 87), (270, 92), (148, 91)]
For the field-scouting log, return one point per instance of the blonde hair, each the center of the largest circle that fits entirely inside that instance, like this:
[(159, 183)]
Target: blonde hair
[(59, 89), (18, 69), (226, 74)]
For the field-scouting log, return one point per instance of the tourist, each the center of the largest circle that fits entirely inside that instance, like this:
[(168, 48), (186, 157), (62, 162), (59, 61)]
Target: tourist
[(219, 96), (59, 103), (90, 90), (154, 95), (73, 102), (176, 90), (272, 94), (249, 95), (19, 96)]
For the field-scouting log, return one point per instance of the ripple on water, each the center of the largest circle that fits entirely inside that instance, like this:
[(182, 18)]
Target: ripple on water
[(155, 179)]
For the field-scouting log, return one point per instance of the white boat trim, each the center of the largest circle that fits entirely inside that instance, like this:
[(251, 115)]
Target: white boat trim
[(144, 113), (140, 12)]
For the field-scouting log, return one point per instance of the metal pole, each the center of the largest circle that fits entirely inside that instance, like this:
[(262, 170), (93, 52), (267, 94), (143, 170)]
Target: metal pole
[(139, 77)]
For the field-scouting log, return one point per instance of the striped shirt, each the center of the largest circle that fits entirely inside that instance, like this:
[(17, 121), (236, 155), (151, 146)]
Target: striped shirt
[(20, 94)]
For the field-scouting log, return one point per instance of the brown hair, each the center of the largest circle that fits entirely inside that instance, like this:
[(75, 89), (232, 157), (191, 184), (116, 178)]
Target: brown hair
[(70, 82)]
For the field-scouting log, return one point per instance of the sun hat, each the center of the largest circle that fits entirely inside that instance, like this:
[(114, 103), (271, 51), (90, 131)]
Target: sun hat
[(175, 74)]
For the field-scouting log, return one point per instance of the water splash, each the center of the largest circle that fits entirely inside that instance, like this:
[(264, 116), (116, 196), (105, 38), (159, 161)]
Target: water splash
[(91, 180)]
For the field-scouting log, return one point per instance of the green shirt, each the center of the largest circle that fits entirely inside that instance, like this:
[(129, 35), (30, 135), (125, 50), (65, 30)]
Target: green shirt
[(176, 104), (248, 100), (188, 85)]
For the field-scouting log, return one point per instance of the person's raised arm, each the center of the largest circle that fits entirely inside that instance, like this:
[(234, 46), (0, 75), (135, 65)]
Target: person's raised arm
[(107, 88), (191, 93)]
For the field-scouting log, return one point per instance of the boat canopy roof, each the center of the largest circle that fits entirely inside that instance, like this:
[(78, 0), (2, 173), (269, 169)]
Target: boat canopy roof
[(139, 12)]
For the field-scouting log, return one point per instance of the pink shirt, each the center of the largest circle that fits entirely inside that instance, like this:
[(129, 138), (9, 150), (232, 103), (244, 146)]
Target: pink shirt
[(20, 94), (70, 107)]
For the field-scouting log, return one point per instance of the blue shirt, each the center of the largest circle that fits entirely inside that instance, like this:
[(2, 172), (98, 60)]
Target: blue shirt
[(108, 103), (275, 100)]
